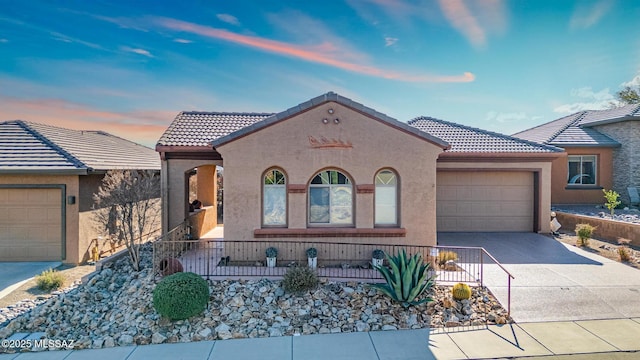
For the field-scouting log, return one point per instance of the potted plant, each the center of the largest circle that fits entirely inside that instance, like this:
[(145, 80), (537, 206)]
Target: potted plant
[(377, 257), (312, 257), (271, 253)]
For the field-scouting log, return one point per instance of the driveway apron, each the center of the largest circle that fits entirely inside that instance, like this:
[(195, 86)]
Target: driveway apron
[(553, 281)]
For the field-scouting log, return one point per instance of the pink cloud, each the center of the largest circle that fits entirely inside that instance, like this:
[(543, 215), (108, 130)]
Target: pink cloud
[(461, 18), (324, 53), (142, 126)]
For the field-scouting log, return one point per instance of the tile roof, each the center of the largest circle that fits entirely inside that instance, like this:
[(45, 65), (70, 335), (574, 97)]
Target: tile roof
[(467, 139), (576, 129), (215, 129), (28, 146), (196, 128)]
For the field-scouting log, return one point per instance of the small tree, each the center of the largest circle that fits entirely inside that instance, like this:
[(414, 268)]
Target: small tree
[(129, 201), (612, 200)]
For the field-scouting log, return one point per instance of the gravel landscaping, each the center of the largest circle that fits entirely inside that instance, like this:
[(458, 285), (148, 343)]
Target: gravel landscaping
[(115, 308)]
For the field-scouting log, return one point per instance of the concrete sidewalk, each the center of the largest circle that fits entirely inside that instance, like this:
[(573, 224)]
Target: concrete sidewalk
[(596, 339)]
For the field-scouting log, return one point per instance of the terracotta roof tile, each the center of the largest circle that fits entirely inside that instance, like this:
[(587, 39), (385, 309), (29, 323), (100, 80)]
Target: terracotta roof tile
[(32, 146), (194, 128), (576, 129), (467, 139)]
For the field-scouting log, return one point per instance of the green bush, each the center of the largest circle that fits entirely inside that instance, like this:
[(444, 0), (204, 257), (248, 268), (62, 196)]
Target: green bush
[(584, 232), (299, 279), (406, 280), (612, 200), (49, 280), (181, 296)]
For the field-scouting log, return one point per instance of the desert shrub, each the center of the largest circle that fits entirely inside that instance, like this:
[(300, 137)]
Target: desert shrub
[(444, 256), (49, 280), (461, 291), (406, 279), (584, 232), (624, 254), (623, 250), (181, 296), (299, 279)]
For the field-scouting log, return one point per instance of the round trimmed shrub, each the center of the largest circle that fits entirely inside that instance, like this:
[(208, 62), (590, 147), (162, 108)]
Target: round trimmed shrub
[(181, 296), (299, 279)]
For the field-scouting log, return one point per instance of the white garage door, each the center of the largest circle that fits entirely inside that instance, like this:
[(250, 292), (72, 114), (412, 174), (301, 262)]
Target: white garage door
[(31, 223), (485, 201)]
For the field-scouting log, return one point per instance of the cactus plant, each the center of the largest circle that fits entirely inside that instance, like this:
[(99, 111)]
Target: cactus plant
[(406, 279), (461, 291), (444, 256)]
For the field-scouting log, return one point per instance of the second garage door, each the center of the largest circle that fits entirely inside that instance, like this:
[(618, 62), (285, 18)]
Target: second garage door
[(485, 201), (31, 223)]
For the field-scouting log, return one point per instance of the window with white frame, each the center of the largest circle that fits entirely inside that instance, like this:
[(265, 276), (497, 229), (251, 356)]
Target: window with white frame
[(274, 201), (330, 199), (386, 198), (582, 170)]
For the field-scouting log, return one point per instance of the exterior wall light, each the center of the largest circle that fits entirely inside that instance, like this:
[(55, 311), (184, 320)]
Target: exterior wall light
[(330, 111), (325, 121)]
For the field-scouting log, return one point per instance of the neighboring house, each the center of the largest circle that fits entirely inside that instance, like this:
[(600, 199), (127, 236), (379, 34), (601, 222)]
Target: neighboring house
[(48, 176), (603, 148), (331, 169)]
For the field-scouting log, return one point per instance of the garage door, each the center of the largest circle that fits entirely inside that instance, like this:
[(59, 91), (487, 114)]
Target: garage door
[(485, 201), (31, 223)]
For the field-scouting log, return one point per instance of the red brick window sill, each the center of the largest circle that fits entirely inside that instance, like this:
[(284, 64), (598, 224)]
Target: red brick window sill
[(330, 232)]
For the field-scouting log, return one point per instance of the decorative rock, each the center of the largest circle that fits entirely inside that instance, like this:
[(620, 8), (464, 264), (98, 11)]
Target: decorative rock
[(158, 338), (109, 313)]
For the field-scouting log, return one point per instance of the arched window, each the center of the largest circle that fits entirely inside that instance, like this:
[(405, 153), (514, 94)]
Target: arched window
[(331, 199), (274, 198), (386, 198)]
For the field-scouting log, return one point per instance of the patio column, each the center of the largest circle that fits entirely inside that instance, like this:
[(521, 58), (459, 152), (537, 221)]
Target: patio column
[(207, 185)]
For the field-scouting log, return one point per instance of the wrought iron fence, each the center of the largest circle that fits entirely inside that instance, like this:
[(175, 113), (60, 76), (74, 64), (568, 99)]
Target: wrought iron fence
[(217, 259)]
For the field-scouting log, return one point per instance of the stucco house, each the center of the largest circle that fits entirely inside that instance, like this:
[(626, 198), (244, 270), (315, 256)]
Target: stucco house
[(331, 169), (603, 148), (48, 176)]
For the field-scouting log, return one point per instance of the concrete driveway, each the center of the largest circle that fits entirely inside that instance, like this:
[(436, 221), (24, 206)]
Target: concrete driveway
[(554, 281), (14, 274)]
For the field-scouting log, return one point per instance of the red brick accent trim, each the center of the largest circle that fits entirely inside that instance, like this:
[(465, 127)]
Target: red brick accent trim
[(296, 188), (330, 232), (365, 189)]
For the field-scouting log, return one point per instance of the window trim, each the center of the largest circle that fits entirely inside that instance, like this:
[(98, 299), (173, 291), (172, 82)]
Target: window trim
[(397, 198), (353, 200), (569, 184), (286, 198)]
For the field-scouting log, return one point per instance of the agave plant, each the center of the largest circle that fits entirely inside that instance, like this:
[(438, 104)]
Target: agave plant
[(406, 279)]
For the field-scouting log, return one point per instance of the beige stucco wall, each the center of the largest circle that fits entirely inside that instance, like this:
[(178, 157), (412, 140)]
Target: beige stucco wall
[(561, 193), (542, 167), (72, 189), (175, 194), (375, 145)]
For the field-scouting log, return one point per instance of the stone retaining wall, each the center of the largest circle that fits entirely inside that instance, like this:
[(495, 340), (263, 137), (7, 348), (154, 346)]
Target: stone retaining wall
[(605, 229)]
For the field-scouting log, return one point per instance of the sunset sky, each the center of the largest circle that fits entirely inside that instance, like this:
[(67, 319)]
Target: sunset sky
[(128, 67)]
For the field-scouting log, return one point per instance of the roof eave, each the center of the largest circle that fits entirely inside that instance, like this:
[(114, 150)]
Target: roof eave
[(43, 171), (572, 145), (500, 156), (610, 121)]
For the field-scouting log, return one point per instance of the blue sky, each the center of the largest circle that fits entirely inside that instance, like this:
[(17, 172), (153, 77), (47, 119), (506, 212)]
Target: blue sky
[(129, 67)]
